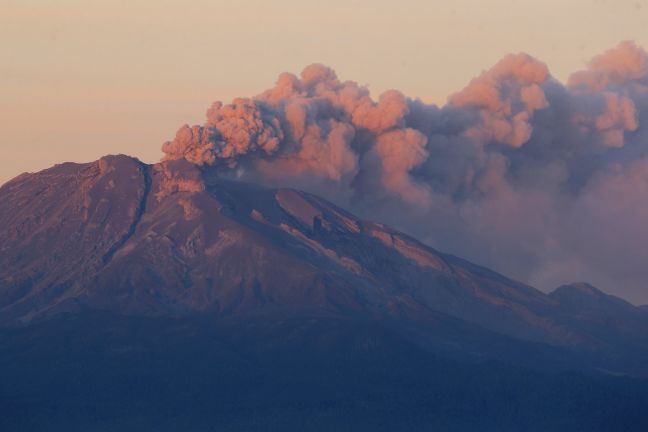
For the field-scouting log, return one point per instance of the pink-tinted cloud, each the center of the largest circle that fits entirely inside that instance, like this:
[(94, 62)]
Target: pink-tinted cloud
[(505, 97), (624, 65)]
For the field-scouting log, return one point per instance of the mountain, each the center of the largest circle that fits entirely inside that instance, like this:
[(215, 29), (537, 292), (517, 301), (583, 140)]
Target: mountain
[(124, 283), (604, 317)]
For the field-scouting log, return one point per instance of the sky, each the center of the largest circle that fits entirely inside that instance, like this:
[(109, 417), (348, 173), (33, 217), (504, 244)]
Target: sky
[(83, 78)]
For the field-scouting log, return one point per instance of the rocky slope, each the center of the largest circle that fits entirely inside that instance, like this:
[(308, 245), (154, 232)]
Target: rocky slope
[(173, 240), (162, 297)]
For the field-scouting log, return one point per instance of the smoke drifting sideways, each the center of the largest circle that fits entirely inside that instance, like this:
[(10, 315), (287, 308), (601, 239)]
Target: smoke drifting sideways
[(543, 181)]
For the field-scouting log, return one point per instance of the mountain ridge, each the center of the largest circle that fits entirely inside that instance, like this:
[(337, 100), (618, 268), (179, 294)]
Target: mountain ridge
[(174, 239)]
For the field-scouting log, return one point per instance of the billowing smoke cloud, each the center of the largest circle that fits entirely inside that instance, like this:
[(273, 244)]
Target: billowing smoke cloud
[(543, 181), (505, 99)]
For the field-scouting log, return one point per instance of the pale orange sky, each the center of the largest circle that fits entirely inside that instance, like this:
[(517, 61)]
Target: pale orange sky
[(79, 79)]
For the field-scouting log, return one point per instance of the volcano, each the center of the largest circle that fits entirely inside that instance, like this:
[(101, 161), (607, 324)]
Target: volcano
[(165, 296)]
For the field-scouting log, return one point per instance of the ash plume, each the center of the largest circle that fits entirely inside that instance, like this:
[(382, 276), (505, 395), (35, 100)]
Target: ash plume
[(544, 181)]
